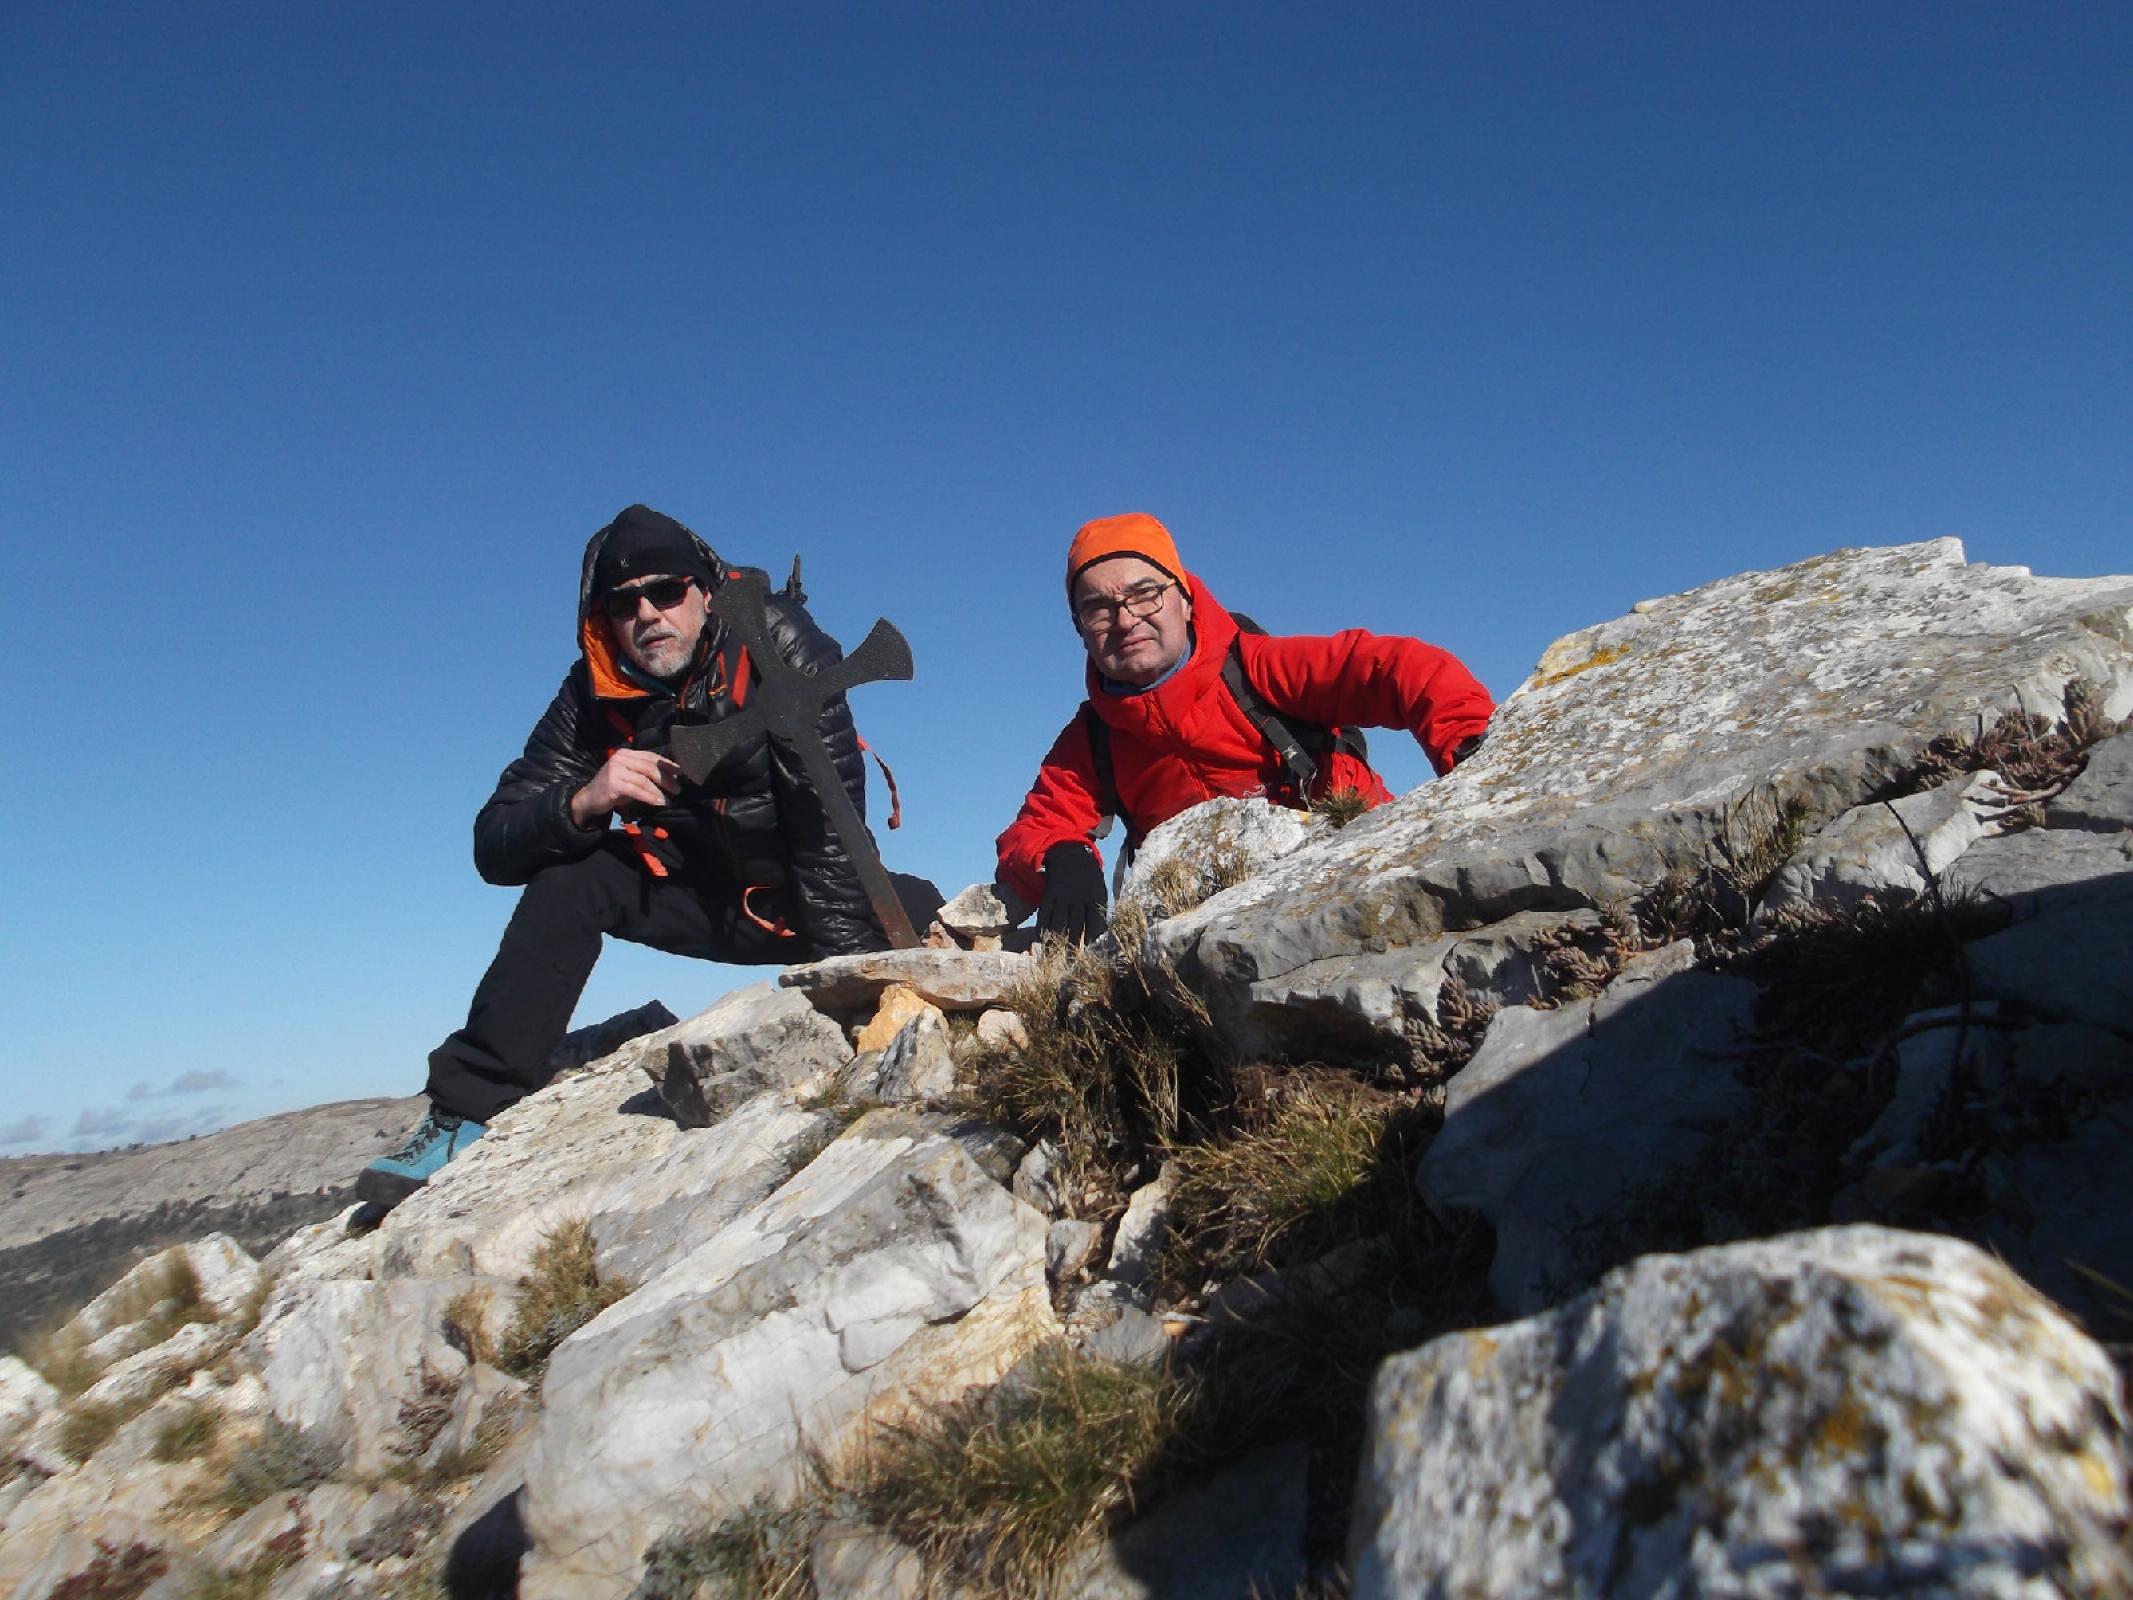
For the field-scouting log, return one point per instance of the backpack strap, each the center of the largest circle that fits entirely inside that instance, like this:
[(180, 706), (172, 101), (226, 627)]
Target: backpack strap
[(1107, 800)]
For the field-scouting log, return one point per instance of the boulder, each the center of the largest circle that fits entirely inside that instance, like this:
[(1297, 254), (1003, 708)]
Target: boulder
[(889, 1271), (1209, 847), (2100, 799), (753, 1039), (1639, 743), (1563, 1117), (1847, 1411)]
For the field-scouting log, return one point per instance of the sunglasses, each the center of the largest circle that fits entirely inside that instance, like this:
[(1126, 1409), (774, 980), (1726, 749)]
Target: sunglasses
[(664, 593)]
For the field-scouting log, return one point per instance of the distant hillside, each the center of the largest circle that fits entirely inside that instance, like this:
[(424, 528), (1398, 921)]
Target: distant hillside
[(69, 1225)]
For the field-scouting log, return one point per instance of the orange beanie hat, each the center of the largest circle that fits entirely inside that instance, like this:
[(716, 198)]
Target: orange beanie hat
[(1134, 534)]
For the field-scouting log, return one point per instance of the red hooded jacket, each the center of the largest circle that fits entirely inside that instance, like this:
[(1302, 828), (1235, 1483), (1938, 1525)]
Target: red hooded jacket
[(1186, 740)]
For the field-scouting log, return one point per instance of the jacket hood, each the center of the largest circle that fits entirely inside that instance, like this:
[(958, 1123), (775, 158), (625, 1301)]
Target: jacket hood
[(609, 681), (1213, 628)]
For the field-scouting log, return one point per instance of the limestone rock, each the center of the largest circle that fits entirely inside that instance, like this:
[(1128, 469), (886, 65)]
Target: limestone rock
[(1875, 849), (889, 1269), (1209, 847), (1144, 1228), (1562, 1116), (849, 1561), (341, 1360), (2042, 869), (981, 910), (1365, 1005), (585, 1149), (1036, 1181), (2101, 799), (899, 1003), (1002, 1029), (1239, 1534), (2071, 960), (753, 1039), (917, 1065), (1069, 1246), (1848, 1411), (24, 1397), (1637, 742), (955, 980)]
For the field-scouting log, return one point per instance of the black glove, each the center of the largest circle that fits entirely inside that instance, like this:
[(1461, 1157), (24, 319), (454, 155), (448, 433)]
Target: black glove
[(1073, 903)]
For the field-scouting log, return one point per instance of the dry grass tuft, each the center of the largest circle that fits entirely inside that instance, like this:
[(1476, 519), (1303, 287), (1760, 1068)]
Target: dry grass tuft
[(1101, 1076), (1000, 1489), (562, 1293), (1295, 1181), (188, 1433), (279, 1460), (86, 1426), (61, 1357), (466, 1325), (1341, 806), (757, 1554)]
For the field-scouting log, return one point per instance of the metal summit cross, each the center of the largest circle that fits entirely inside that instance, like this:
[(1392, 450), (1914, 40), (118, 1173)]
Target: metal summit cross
[(786, 704)]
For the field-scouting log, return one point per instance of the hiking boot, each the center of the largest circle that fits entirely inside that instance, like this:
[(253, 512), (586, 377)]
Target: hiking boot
[(391, 1179)]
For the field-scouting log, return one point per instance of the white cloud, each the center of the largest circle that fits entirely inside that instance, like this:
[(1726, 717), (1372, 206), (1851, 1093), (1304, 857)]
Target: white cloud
[(24, 1130), (183, 1083)]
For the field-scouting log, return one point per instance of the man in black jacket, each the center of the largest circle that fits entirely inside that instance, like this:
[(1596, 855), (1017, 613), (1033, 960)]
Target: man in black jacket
[(744, 867)]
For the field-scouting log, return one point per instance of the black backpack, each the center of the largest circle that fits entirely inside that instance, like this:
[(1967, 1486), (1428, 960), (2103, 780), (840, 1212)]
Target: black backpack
[(1301, 745)]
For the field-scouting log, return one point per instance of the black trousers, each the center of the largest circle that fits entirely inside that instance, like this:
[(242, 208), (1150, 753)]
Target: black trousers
[(522, 1006)]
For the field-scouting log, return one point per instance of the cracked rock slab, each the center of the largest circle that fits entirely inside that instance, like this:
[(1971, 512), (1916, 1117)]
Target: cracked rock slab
[(1637, 743), (954, 980)]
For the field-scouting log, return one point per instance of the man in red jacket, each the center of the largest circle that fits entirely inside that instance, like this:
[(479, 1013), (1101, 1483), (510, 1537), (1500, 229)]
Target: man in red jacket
[(1172, 731)]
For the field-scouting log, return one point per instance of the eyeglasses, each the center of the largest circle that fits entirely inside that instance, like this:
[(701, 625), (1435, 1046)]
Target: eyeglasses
[(664, 593), (1142, 600)]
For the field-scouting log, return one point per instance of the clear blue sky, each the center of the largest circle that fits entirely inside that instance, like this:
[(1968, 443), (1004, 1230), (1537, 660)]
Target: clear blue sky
[(329, 333)]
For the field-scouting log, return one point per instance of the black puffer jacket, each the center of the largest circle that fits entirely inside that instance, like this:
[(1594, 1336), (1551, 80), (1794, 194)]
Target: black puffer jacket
[(753, 821)]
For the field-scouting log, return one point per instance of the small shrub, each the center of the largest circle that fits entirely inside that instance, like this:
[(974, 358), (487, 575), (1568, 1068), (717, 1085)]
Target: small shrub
[(1001, 1488), (759, 1553), (114, 1574), (281, 1460), (187, 1434), (560, 1295), (1711, 898)]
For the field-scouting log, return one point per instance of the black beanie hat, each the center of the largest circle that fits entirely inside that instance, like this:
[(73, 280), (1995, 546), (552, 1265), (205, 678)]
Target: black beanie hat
[(640, 543)]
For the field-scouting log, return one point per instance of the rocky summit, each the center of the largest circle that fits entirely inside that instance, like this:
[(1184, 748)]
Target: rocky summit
[(1682, 1152)]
